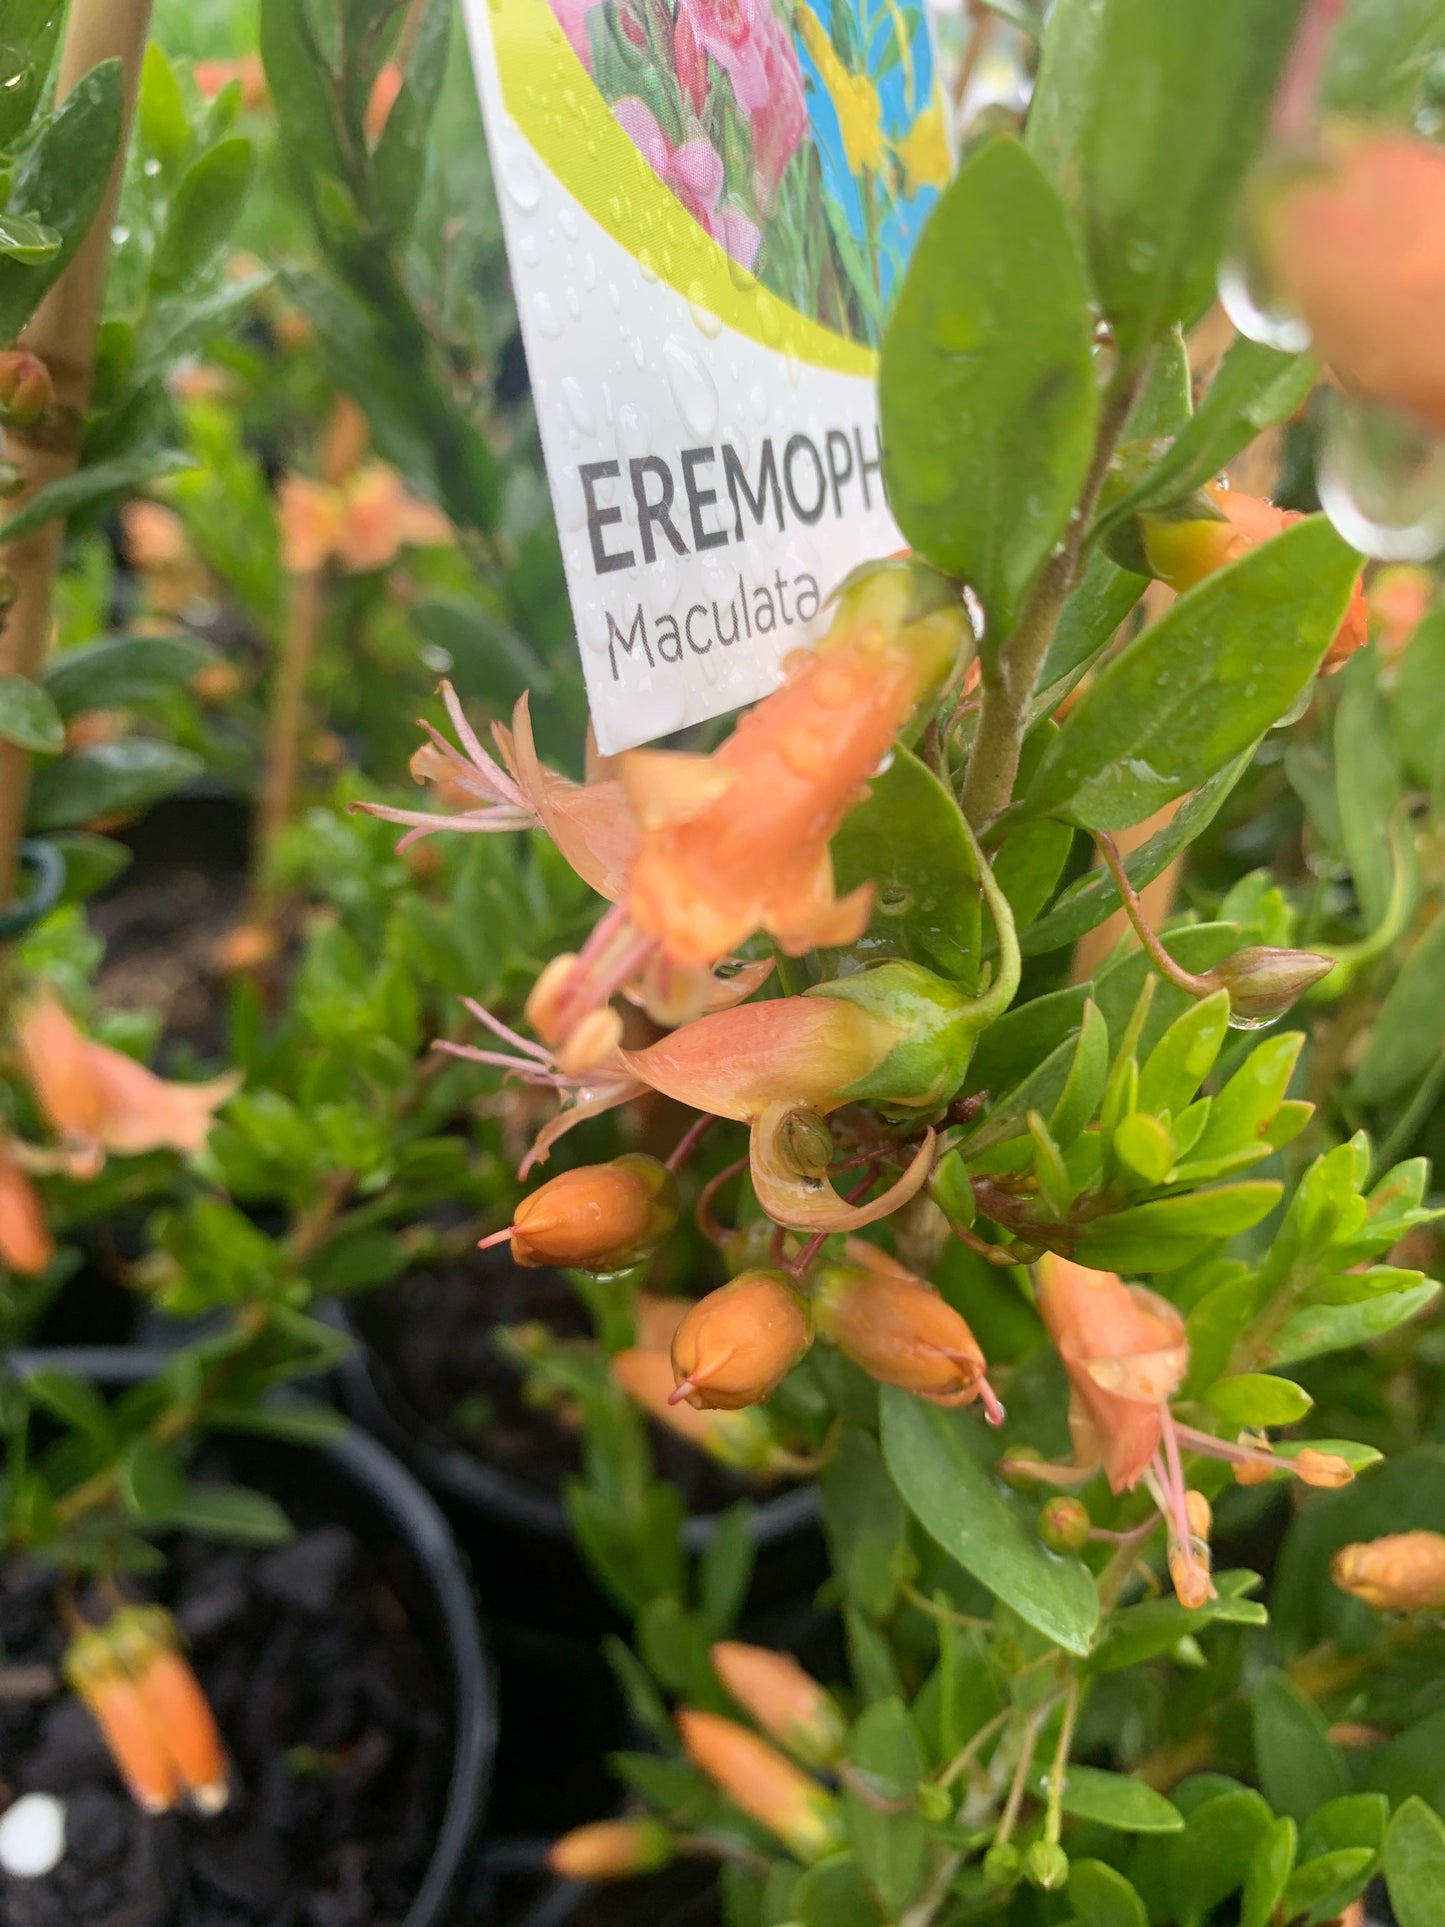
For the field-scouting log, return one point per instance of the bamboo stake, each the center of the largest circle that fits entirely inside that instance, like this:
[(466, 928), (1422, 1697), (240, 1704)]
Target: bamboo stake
[(62, 334)]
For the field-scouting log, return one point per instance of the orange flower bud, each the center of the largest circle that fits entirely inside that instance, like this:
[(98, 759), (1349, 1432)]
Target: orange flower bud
[(1325, 1469), (1183, 552), (742, 1440), (1402, 1573), (26, 1245), (767, 1787), (899, 1329), (26, 390), (145, 1641), (1199, 1513), (1356, 247), (611, 1850), (1190, 1575), (113, 1700), (786, 1702), (600, 1217), (740, 1341), (1264, 983)]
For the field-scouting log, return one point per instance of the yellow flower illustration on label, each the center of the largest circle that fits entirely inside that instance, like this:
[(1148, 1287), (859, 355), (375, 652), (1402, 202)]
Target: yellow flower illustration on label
[(854, 97)]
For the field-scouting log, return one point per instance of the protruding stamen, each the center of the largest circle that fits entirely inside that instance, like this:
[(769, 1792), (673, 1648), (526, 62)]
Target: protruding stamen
[(993, 1409)]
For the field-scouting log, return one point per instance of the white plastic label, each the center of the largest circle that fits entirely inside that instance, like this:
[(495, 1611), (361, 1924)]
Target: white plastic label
[(708, 204)]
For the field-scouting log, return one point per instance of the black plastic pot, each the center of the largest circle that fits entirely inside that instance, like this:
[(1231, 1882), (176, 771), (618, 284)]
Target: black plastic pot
[(371, 1488)]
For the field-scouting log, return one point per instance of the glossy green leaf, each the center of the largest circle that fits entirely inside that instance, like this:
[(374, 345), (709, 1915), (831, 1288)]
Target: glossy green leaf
[(864, 1520), (161, 110), (113, 779), (991, 329), (1380, 55), (1196, 688), (1184, 1055), (835, 1894), (1117, 1800), (1409, 1027), (937, 1462), (1089, 621), (1324, 1885), (1269, 1869), (909, 840), (235, 1512), (1165, 1232), (1212, 1856), (1334, 1328), (58, 184), (399, 163), (1144, 1147), (1079, 1099), (1101, 1897), (152, 1481), (117, 670), (203, 211), (1419, 717), (91, 862), (22, 239), (1241, 1112), (29, 718), (891, 1847), (26, 62), (1368, 786), (1137, 1633), (1178, 101), (1256, 1399), (1299, 1769), (89, 487)]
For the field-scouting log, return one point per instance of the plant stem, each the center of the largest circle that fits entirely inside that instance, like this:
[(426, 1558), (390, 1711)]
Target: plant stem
[(1058, 1772), (288, 713), (1174, 973), (1030, 1739), (62, 333), (1010, 673)]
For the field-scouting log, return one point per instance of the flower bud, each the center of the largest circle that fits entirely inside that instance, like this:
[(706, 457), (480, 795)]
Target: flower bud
[(1251, 1471), (26, 1245), (1264, 983), (1002, 1864), (1402, 1573), (611, 1850), (767, 1787), (1065, 1525), (600, 1217), (1199, 1513), (26, 390), (1182, 550), (145, 1642), (900, 1331), (806, 1143), (743, 1440), (1189, 1572), (739, 1342), (935, 1802), (786, 1702), (1046, 1866), (113, 1701), (1324, 1469), (1016, 1468)]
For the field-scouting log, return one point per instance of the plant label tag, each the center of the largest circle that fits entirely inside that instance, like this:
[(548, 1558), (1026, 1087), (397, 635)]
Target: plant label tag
[(708, 207)]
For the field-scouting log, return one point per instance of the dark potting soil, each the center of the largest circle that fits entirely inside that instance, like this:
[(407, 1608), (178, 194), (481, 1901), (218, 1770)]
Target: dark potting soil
[(431, 1339), (336, 1722)]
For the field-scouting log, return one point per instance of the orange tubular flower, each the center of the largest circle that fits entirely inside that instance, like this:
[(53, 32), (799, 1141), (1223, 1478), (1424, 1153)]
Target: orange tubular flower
[(26, 1245), (786, 1702), (739, 1342), (1356, 246), (742, 1439), (599, 1217), (738, 841), (611, 1850), (770, 1789), (901, 1331), (1402, 1573), (99, 1100), (156, 1722), (1182, 553)]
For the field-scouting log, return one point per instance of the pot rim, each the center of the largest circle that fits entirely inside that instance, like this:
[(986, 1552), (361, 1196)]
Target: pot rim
[(421, 1526)]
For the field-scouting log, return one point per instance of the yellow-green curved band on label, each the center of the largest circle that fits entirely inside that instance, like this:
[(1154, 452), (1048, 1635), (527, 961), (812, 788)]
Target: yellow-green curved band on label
[(553, 101)]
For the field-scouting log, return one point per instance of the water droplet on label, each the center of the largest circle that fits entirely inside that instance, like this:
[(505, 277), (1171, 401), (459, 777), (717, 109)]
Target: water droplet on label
[(578, 406), (522, 179), (589, 272), (631, 429), (568, 222), (1382, 482), (529, 249), (574, 303), (548, 320), (703, 318), (693, 388), (760, 404), (646, 266)]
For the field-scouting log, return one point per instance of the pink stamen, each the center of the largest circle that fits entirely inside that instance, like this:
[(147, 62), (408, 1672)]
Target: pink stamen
[(496, 1238), (493, 772), (993, 1409), (1230, 1451), (499, 1029), (683, 1391)]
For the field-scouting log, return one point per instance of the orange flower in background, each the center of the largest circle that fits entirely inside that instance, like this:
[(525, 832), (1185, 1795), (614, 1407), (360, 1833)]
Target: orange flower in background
[(361, 524), (26, 1245), (767, 1787), (149, 1706), (741, 1439), (1125, 1352), (1400, 597), (738, 841), (159, 549), (1182, 553), (788, 1703), (1356, 246), (211, 76), (98, 1100), (1403, 1572), (611, 1850), (386, 87)]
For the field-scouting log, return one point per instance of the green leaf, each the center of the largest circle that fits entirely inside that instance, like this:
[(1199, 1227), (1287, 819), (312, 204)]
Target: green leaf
[(1144, 1147), (113, 779), (1184, 1055), (1242, 1111), (1165, 1232), (59, 184), (152, 1482), (891, 1847), (1336, 1328), (91, 862), (935, 1459), (1380, 55), (1409, 1027), (1212, 1856), (89, 487), (1269, 1869), (1102, 1897), (834, 1894), (1256, 1399), (231, 1512), (1322, 1886), (29, 718), (1115, 1800), (865, 1522), (1141, 1632), (1367, 786), (1196, 688), (908, 838), (1090, 619), (1420, 697), (1178, 100), (25, 240), (116, 670), (1299, 1769), (399, 163), (293, 1419), (725, 1570), (1068, 63), (205, 208), (161, 110), (74, 1401), (991, 329), (1088, 1073)]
